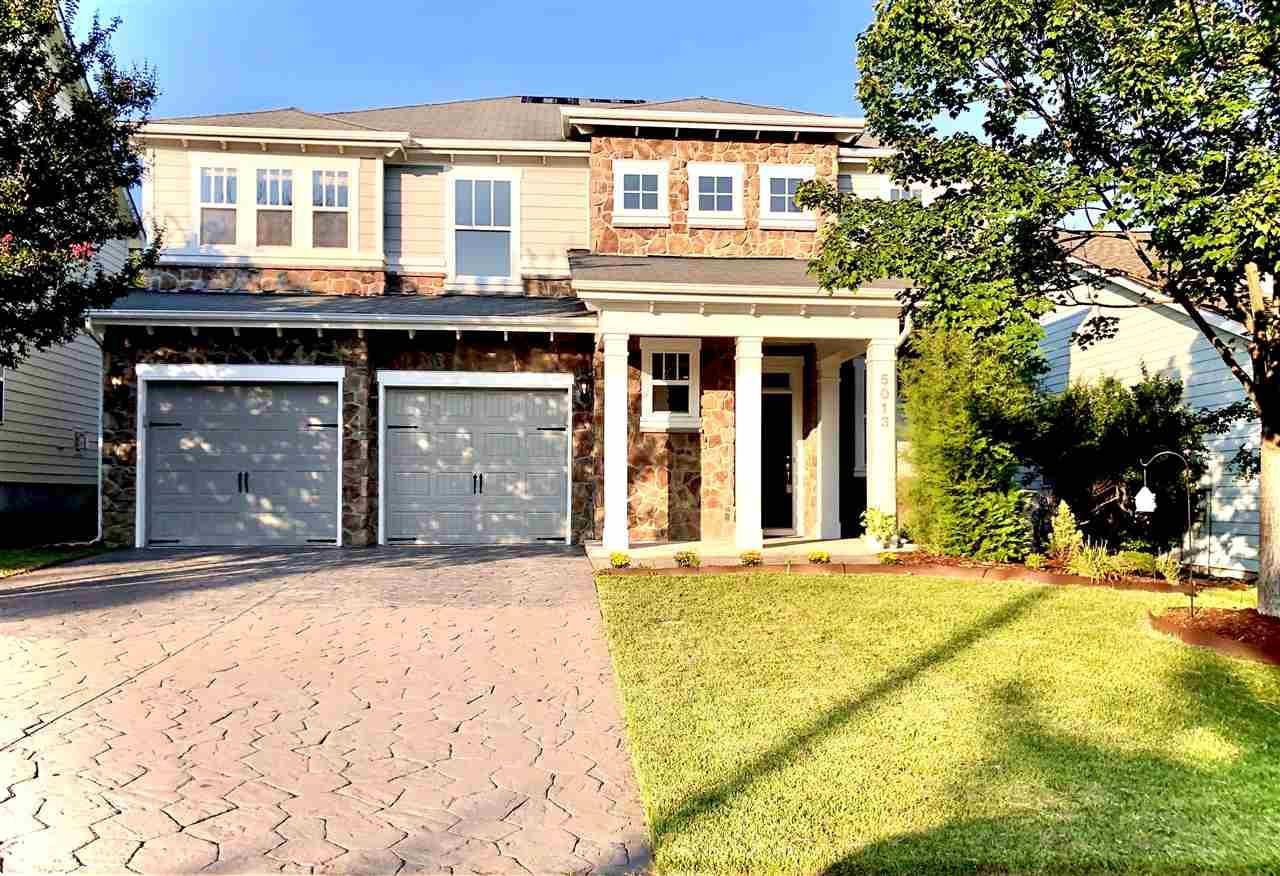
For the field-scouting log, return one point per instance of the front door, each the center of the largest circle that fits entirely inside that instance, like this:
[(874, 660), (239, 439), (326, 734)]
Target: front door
[(776, 449)]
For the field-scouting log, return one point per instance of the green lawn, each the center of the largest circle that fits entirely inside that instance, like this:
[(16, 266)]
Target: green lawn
[(914, 725), (14, 561)]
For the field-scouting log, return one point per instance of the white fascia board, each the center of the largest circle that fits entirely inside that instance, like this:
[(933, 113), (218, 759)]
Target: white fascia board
[(478, 379), (622, 290), (273, 135), (215, 319), (863, 153), (489, 147), (726, 121)]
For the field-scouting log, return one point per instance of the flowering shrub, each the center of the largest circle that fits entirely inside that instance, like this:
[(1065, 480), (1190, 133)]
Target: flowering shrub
[(820, 558), (688, 559), (751, 558), (619, 560)]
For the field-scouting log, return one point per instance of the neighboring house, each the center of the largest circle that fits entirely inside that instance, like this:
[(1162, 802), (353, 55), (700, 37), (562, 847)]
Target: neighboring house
[(1162, 338), (508, 320)]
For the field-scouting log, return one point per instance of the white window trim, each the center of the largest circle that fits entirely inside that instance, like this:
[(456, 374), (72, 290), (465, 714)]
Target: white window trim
[(888, 185), (246, 249), (806, 221), (561, 380), (334, 374), (460, 282), (349, 210), (659, 218), (202, 204), (292, 207), (665, 421), (735, 217)]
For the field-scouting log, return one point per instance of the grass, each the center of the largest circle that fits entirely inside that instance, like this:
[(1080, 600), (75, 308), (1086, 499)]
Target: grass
[(15, 561), (802, 724)]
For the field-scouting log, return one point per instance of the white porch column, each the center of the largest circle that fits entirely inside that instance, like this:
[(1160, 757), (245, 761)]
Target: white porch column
[(882, 439), (748, 404), (615, 442), (828, 485)]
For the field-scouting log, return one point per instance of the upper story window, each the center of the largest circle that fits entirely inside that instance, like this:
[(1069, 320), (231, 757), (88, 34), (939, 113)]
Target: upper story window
[(715, 195), (844, 184), (275, 207), (669, 371), (485, 227), (218, 206), (905, 193), (330, 208), (640, 193), (778, 186)]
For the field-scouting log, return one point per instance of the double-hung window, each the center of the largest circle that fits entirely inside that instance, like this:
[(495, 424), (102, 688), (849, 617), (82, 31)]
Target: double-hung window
[(669, 370), (640, 193), (778, 187), (844, 184), (905, 193), (330, 208), (715, 195), (217, 206), (485, 210), (275, 207)]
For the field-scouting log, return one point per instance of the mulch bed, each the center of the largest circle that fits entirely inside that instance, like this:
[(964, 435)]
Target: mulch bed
[(1235, 632)]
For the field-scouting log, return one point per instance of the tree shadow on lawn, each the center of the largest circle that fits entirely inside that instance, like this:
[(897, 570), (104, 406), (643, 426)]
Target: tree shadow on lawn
[(801, 744), (1108, 810)]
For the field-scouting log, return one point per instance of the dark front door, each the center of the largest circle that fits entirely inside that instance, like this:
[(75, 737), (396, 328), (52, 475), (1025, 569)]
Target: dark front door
[(775, 452)]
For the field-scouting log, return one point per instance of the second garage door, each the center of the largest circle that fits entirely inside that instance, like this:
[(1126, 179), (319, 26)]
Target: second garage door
[(476, 466)]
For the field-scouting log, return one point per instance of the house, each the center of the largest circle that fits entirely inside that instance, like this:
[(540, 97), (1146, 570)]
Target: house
[(1162, 338), (509, 320)]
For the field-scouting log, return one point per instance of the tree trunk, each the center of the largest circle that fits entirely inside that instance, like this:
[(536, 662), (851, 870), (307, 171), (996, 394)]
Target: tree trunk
[(1269, 524)]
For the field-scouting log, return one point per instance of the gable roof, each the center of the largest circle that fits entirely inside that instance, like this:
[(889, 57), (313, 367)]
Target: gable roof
[(1110, 251), (285, 117), (513, 117)]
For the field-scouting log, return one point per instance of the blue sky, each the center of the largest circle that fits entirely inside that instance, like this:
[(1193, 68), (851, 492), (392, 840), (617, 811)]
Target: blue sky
[(324, 55)]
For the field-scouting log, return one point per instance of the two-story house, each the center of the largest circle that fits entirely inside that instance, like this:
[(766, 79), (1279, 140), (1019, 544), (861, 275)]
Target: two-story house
[(509, 320)]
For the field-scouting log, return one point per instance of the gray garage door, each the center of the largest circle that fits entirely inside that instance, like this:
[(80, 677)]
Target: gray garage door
[(476, 466), (242, 464)]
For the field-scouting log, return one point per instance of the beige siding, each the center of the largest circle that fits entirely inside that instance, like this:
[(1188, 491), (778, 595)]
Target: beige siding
[(413, 213), (865, 183), (367, 220), (167, 201), (1167, 343), (553, 213), (51, 397)]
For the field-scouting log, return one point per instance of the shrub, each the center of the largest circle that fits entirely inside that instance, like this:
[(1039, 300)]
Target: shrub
[(820, 558), (966, 400), (1170, 568), (889, 558), (688, 559), (751, 558), (619, 560), (1093, 562), (880, 525), (1089, 440), (1065, 538), (1034, 561), (1136, 563)]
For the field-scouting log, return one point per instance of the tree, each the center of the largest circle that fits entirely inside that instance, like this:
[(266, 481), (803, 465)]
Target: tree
[(65, 159), (1157, 118)]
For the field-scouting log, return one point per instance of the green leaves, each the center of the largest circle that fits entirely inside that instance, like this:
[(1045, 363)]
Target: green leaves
[(65, 158)]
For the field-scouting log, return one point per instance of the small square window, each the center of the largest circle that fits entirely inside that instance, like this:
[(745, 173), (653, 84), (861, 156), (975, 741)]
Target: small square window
[(844, 183), (715, 194), (778, 188), (905, 194), (640, 192)]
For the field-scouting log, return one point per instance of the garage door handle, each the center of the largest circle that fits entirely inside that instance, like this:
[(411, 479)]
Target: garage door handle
[(246, 482), (473, 484), (240, 482), (482, 483), (551, 428)]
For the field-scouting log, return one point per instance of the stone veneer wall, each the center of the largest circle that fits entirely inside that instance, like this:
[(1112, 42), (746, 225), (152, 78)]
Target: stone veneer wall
[(679, 238), (323, 281), (679, 484), (123, 348)]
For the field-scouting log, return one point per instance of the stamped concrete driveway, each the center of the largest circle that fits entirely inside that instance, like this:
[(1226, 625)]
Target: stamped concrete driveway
[(363, 711)]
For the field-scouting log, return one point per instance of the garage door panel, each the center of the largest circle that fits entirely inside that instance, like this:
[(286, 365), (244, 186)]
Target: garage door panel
[(281, 435), (453, 434)]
